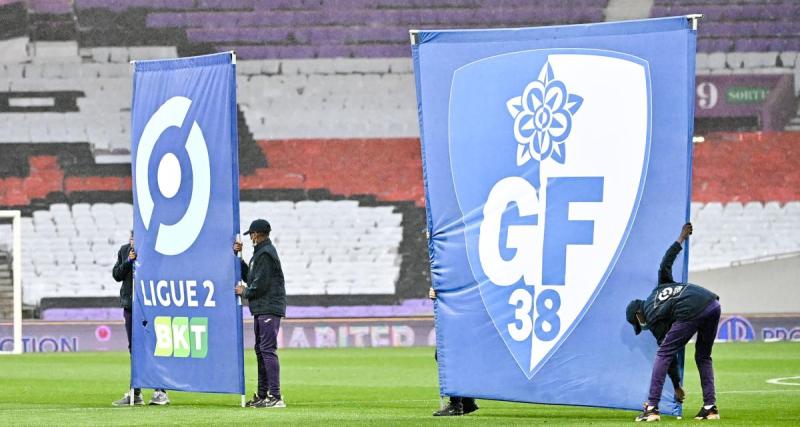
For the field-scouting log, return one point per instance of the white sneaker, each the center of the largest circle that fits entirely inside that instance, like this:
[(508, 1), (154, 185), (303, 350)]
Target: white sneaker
[(126, 400), (159, 398)]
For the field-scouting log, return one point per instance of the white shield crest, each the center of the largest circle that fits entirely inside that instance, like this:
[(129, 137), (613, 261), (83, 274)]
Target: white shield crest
[(548, 152)]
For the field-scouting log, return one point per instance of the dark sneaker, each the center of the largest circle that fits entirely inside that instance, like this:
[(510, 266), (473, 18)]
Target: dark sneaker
[(270, 402), (253, 401), (126, 400), (680, 395), (649, 413), (470, 407), (450, 410), (708, 414), (159, 398)]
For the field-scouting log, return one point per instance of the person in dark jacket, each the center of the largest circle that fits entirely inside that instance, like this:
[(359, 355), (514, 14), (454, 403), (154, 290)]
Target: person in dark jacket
[(266, 295), (674, 312), (123, 272), (458, 405)]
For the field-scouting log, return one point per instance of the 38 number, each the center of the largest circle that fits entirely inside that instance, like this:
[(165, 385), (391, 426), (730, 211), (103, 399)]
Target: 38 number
[(523, 300), (547, 323)]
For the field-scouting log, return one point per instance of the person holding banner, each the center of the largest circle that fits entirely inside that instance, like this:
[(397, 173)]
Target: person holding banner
[(457, 405), (674, 312), (266, 295), (123, 272)]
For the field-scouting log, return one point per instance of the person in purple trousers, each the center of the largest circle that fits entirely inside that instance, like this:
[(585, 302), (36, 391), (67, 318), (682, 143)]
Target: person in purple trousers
[(674, 312), (266, 296)]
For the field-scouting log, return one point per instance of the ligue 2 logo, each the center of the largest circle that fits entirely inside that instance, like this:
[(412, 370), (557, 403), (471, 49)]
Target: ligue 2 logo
[(173, 239)]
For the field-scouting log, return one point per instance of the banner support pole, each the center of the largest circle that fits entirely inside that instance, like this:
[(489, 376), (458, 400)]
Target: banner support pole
[(239, 279), (131, 397), (239, 282)]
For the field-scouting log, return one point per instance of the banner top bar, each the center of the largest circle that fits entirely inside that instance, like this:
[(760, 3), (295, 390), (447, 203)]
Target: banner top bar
[(694, 18), (414, 35)]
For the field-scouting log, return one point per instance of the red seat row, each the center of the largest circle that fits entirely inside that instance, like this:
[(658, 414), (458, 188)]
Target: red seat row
[(756, 166)]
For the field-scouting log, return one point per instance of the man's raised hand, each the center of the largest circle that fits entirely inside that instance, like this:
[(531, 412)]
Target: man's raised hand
[(685, 232)]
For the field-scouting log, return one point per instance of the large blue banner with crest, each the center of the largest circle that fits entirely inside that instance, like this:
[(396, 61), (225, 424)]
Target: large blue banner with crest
[(557, 172), (187, 322)]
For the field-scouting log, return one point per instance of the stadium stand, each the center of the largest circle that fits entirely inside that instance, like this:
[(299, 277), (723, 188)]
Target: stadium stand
[(328, 123), (316, 29), (6, 284), (746, 197), (744, 26), (746, 202), (322, 94)]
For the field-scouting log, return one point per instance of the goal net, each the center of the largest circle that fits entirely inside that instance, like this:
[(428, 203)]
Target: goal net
[(10, 282)]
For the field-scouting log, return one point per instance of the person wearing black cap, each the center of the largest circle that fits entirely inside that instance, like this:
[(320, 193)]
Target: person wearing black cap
[(674, 312), (266, 295)]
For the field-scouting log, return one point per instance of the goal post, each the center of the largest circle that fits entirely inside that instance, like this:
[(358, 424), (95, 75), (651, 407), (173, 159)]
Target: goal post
[(16, 274)]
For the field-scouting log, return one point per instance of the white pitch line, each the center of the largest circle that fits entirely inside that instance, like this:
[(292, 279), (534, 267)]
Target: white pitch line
[(780, 381)]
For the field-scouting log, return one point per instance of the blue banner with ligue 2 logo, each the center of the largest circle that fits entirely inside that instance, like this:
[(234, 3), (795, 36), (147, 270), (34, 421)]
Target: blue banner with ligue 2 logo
[(187, 322), (557, 172)]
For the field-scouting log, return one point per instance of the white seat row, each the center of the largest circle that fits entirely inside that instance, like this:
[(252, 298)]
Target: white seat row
[(734, 232), (323, 98), (280, 99), (748, 60), (70, 250)]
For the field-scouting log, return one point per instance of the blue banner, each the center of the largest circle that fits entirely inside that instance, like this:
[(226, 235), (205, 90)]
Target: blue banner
[(557, 172), (187, 322)]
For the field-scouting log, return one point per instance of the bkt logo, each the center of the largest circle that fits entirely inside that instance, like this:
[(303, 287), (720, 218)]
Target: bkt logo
[(561, 140), (181, 336), (173, 239)]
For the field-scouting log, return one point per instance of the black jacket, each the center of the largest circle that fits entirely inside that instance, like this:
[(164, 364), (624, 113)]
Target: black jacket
[(265, 292), (123, 272), (673, 302)]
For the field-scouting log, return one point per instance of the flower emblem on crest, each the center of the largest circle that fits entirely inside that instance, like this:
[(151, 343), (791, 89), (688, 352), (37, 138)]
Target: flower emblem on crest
[(543, 118)]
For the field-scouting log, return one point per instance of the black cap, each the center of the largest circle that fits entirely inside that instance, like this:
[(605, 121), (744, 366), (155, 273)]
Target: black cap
[(259, 225), (630, 314)]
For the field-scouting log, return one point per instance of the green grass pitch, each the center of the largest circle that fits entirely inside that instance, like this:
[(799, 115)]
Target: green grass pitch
[(384, 386)]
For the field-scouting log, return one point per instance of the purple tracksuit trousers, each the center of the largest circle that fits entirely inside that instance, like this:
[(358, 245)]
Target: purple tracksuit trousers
[(705, 324), (269, 371)]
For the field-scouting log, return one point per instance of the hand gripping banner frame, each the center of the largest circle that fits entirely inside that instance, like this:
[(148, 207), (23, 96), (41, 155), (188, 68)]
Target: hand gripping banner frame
[(557, 170), (187, 321)]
